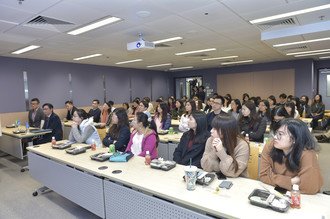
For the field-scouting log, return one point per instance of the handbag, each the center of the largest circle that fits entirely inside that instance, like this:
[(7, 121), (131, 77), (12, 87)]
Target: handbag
[(121, 156)]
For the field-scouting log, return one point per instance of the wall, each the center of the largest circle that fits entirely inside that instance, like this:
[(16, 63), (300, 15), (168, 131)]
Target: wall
[(49, 81), (322, 82)]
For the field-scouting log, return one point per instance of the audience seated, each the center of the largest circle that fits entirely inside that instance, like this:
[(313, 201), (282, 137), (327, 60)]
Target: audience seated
[(179, 110), (190, 108), (162, 118), (144, 137), (71, 109), (217, 110), (226, 151), (95, 112), (36, 115), (317, 110), (119, 133), (83, 130), (291, 159), (192, 142), (53, 122), (236, 108)]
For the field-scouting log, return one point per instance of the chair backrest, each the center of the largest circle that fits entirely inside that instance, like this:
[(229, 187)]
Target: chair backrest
[(253, 164)]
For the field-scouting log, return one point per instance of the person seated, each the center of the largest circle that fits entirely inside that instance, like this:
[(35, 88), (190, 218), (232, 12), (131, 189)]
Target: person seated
[(179, 110), (95, 112), (236, 108), (144, 137), (106, 115), (290, 158), (53, 122), (217, 110), (226, 151), (264, 111), (143, 107), (71, 109), (118, 133), (190, 108), (134, 108), (162, 118), (305, 107), (208, 106), (251, 124), (36, 114), (317, 110), (83, 130), (192, 143), (291, 111)]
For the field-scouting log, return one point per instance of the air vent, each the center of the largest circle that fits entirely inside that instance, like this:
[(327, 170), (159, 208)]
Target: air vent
[(279, 23), (41, 20), (294, 49), (162, 45)]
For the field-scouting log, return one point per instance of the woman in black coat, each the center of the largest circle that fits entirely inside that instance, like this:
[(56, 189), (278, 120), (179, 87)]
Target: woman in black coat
[(192, 142)]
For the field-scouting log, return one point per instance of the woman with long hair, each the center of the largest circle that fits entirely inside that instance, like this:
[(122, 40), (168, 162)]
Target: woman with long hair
[(190, 108), (226, 150), (179, 110), (144, 137), (235, 110), (119, 132), (264, 110), (290, 158), (251, 124), (317, 110), (192, 142), (291, 111), (83, 130), (162, 118)]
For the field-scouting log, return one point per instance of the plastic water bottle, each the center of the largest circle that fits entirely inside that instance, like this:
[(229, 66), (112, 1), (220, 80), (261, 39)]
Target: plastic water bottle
[(53, 141), (295, 196), (27, 127), (93, 145), (147, 158)]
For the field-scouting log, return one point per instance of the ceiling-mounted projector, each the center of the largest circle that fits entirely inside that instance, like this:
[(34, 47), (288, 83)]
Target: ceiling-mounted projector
[(140, 45)]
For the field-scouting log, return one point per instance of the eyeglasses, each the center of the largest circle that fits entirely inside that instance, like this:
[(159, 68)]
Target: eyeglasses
[(279, 134)]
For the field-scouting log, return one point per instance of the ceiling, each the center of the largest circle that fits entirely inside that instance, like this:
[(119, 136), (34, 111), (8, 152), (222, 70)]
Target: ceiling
[(220, 24)]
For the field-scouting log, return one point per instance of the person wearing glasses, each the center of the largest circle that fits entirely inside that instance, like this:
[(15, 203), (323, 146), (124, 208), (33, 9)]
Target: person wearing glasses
[(36, 114), (291, 158), (217, 110)]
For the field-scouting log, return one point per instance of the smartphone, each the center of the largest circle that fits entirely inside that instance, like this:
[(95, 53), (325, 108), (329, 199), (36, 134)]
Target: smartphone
[(226, 184), (280, 189)]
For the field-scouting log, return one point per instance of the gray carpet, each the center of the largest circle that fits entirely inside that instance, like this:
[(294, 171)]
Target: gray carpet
[(16, 200)]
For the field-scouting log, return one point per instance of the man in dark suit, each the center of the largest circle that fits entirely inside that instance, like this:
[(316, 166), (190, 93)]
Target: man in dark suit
[(53, 122), (36, 115), (71, 109), (95, 111)]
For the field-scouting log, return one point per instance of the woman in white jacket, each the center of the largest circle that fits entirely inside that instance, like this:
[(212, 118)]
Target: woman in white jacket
[(190, 108), (83, 130)]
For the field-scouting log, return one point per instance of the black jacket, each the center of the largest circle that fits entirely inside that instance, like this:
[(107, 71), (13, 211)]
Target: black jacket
[(96, 114), (69, 114), (121, 141), (255, 130), (54, 123), (210, 116), (182, 154)]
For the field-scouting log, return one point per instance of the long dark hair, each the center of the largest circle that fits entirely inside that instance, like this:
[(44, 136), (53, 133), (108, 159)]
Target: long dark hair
[(142, 117), (254, 118), (239, 105), (122, 121), (320, 101), (82, 114), (267, 113), (273, 98), (201, 134), (193, 106), (227, 127), (293, 108), (302, 139), (164, 108)]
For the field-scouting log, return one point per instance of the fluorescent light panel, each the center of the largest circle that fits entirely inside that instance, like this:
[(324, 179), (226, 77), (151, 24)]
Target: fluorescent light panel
[(300, 42), (312, 54), (159, 65), (87, 57), (324, 57), (167, 40), (312, 51), (195, 51), (237, 62), (94, 25), (129, 61), (25, 49), (289, 14), (219, 58), (181, 68)]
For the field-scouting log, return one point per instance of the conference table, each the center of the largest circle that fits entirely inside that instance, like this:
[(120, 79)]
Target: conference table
[(135, 190)]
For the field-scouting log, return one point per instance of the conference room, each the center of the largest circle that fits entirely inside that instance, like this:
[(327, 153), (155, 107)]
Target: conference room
[(80, 50)]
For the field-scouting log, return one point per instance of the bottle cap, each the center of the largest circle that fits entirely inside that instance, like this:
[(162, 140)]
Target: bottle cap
[(53, 137), (246, 134), (147, 152), (295, 187)]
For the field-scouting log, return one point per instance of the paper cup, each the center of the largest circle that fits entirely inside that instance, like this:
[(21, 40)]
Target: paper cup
[(191, 177)]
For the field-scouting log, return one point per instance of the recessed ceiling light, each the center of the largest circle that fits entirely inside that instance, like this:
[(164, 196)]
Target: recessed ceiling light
[(95, 25), (237, 62), (129, 61), (219, 58), (195, 51), (25, 49), (87, 57), (312, 54), (159, 65), (300, 42), (324, 57), (167, 40), (289, 14), (181, 68), (312, 51)]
